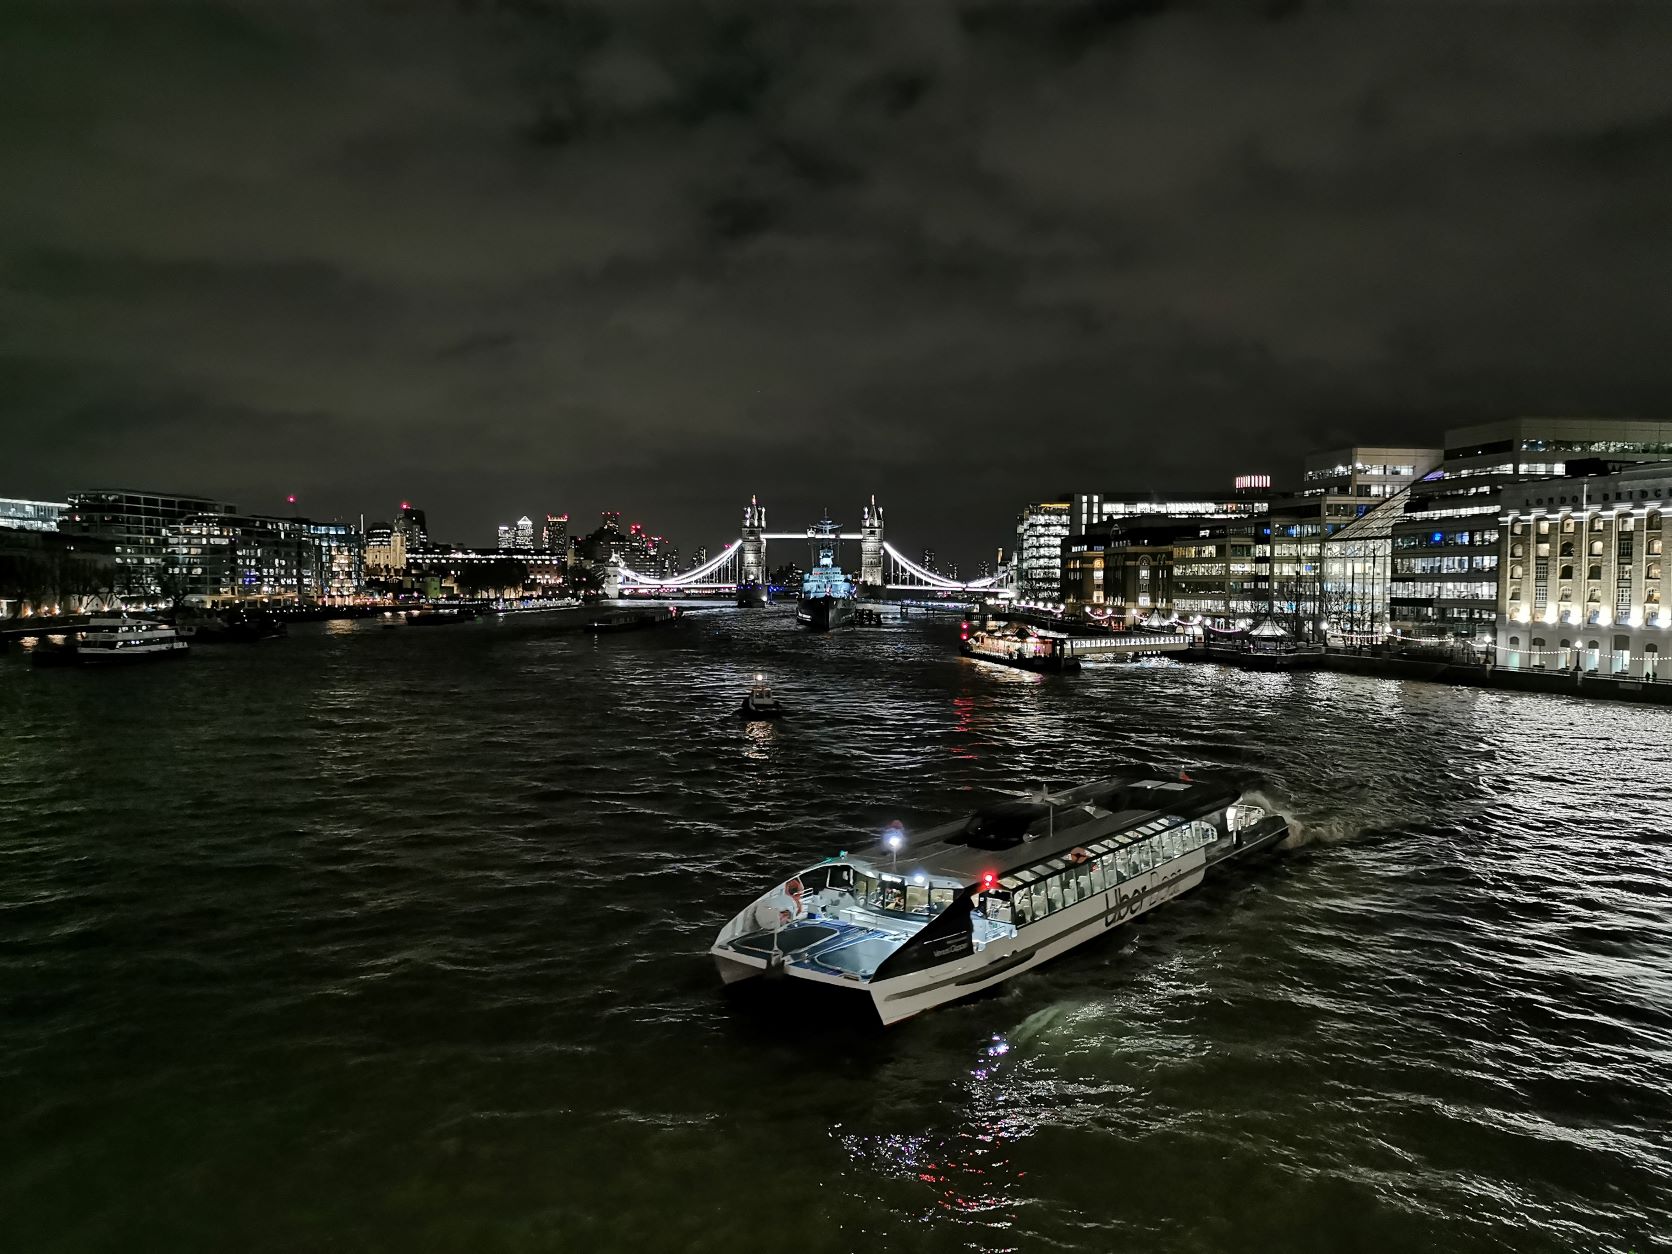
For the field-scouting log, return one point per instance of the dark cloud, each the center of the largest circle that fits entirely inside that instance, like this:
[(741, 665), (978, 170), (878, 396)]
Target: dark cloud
[(508, 257)]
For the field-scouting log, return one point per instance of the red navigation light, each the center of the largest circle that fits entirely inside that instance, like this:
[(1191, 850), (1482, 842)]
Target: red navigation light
[(291, 498), (406, 504), (988, 880)]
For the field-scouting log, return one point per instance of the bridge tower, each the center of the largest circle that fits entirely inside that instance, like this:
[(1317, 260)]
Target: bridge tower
[(751, 567), (870, 546)]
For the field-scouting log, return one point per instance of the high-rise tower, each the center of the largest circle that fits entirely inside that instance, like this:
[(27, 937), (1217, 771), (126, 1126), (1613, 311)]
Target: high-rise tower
[(870, 546)]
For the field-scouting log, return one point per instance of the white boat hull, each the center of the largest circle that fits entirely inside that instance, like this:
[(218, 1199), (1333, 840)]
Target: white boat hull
[(907, 995)]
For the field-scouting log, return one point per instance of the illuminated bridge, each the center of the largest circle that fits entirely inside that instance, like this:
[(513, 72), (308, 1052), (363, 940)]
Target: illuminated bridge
[(882, 567)]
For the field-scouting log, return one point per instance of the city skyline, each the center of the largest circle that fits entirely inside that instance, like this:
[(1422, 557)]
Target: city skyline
[(644, 256)]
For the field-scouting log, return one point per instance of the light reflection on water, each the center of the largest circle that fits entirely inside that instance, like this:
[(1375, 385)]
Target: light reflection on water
[(409, 927)]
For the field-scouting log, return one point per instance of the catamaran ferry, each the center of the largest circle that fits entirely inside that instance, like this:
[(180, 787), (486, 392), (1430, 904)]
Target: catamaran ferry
[(918, 921)]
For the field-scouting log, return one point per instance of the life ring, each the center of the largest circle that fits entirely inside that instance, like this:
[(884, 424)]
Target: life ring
[(1078, 855), (793, 888)]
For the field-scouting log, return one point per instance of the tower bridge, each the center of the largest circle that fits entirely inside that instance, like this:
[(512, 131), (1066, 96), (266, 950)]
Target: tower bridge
[(742, 564)]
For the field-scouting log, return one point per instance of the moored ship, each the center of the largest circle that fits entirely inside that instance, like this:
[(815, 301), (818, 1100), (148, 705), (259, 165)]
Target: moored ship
[(1015, 644), (828, 596), (116, 641), (914, 922)]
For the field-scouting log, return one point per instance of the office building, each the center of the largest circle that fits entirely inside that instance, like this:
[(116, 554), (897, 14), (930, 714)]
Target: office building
[(31, 515), (414, 527), (1092, 509), (1040, 530), (1444, 583), (1338, 488), (554, 536), (223, 559), (136, 524), (1585, 582)]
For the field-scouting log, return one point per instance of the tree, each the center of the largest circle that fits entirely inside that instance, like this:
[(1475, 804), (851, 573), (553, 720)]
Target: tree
[(470, 579), (175, 588)]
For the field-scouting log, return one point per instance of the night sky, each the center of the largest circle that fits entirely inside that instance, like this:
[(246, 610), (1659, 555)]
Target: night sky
[(504, 258)]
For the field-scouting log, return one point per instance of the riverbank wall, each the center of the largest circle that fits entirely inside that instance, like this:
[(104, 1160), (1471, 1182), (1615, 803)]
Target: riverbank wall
[(1458, 674)]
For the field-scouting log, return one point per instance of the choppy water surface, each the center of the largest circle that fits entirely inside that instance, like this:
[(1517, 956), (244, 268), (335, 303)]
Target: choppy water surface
[(394, 941)]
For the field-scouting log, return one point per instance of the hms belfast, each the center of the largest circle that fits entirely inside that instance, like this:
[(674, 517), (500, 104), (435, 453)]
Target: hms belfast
[(828, 597)]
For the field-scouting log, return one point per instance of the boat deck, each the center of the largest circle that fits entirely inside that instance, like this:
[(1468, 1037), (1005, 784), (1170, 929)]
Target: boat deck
[(851, 947)]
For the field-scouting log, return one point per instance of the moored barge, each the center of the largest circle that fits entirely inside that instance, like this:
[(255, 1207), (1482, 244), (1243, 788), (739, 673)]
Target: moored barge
[(1016, 644)]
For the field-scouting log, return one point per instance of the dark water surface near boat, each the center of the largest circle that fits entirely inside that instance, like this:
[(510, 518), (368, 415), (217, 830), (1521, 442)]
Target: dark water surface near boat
[(394, 941)]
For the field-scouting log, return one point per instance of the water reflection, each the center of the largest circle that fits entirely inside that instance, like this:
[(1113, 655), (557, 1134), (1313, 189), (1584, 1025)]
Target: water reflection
[(759, 735)]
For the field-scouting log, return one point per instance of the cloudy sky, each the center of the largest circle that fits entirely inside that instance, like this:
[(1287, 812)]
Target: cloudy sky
[(510, 257)]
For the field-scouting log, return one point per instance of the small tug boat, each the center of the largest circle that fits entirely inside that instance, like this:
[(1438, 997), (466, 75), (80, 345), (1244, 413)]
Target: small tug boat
[(910, 924), (759, 702)]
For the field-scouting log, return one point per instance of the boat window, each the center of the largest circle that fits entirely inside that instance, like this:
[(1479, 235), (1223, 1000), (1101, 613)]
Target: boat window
[(1123, 862), (1053, 894), (867, 888), (941, 898), (1021, 905), (1083, 874), (1041, 901), (917, 898), (996, 906), (1144, 854), (1099, 881)]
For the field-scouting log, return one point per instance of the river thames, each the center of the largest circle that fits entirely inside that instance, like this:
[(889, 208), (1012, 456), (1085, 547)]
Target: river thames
[(395, 940)]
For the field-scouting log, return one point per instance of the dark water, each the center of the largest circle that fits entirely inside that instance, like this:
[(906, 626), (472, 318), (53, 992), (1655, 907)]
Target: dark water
[(393, 941)]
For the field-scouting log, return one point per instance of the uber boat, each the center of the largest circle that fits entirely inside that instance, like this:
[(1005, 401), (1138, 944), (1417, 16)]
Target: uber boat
[(914, 922)]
